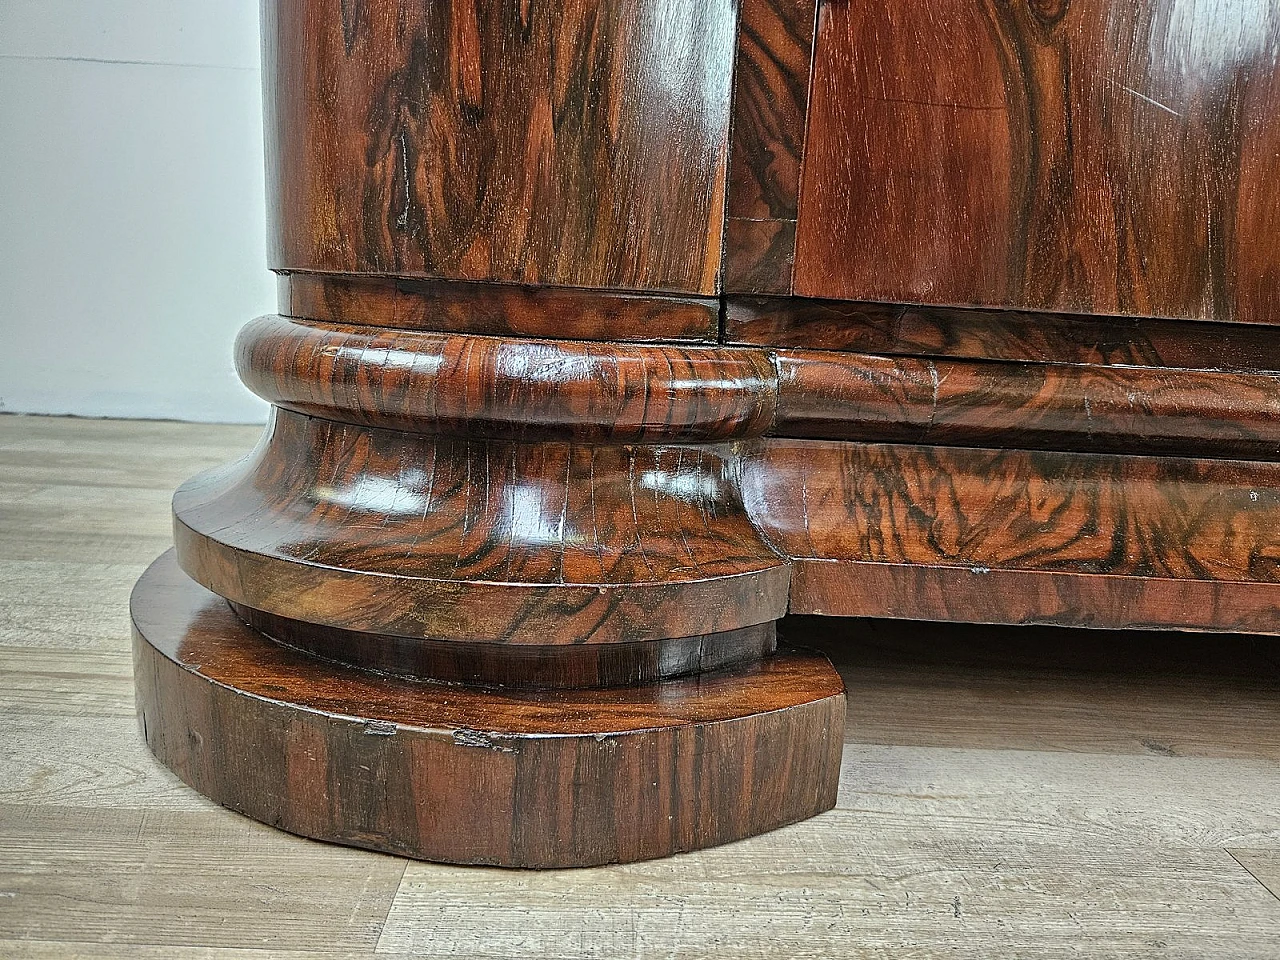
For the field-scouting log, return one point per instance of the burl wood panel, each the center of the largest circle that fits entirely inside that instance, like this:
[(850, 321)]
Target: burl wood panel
[(508, 388), (524, 779), (449, 538), (494, 309), (1095, 156), (906, 329), (579, 144), (1014, 536), (770, 96)]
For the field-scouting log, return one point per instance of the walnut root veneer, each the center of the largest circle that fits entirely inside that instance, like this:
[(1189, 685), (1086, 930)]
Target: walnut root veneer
[(554, 443)]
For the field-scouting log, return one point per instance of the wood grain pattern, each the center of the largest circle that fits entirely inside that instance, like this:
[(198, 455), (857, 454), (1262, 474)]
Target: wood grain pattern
[(1116, 409), (539, 779), (568, 144), (770, 98), (498, 309), (455, 539), (1092, 156), (508, 388), (532, 666), (527, 389), (906, 329), (1012, 536)]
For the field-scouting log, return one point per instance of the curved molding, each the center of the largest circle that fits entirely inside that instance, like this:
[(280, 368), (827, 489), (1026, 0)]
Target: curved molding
[(1043, 406), (507, 388), (486, 541), (520, 389)]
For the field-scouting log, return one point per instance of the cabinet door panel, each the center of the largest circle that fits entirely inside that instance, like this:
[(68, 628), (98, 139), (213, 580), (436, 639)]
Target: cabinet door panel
[(1094, 156)]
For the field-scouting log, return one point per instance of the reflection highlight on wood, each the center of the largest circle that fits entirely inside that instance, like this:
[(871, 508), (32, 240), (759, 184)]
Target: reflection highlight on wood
[(1117, 409), (617, 393), (508, 388)]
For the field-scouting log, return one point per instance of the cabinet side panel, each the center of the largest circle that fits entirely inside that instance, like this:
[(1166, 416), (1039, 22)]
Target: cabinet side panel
[(578, 144)]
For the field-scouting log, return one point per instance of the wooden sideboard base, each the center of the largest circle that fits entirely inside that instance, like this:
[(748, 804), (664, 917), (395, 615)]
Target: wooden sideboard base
[(462, 774), (565, 418), (509, 600)]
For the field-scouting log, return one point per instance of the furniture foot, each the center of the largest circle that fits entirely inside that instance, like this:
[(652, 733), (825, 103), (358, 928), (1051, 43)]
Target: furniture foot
[(469, 774)]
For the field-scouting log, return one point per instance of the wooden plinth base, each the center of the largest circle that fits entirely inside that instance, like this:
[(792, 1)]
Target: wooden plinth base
[(534, 778)]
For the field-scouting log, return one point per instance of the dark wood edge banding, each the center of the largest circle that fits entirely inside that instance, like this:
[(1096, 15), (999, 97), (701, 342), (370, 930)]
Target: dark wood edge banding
[(970, 333), (521, 667), (508, 388), (496, 309), (457, 774)]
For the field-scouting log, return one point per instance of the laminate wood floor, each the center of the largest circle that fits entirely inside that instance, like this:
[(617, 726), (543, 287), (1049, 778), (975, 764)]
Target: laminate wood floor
[(1004, 792)]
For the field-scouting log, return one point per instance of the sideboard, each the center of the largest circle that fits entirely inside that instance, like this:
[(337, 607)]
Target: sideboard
[(609, 333)]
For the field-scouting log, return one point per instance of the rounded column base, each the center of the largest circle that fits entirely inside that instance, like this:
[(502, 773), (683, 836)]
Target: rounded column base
[(465, 774)]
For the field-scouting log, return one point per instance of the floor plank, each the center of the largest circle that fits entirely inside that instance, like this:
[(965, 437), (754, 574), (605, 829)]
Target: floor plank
[(1054, 689), (69, 605), (63, 950), (107, 875), (1263, 866), (825, 889), (161, 454)]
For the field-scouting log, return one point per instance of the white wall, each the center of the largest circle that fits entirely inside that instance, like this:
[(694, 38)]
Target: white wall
[(132, 215)]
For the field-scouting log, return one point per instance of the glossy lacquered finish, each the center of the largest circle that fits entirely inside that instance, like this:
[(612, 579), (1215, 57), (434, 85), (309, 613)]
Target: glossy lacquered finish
[(579, 144), (1120, 409), (500, 583), (507, 388), (900, 329), (447, 538), (1097, 156), (1015, 536), (470, 775), (374, 505), (517, 389)]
